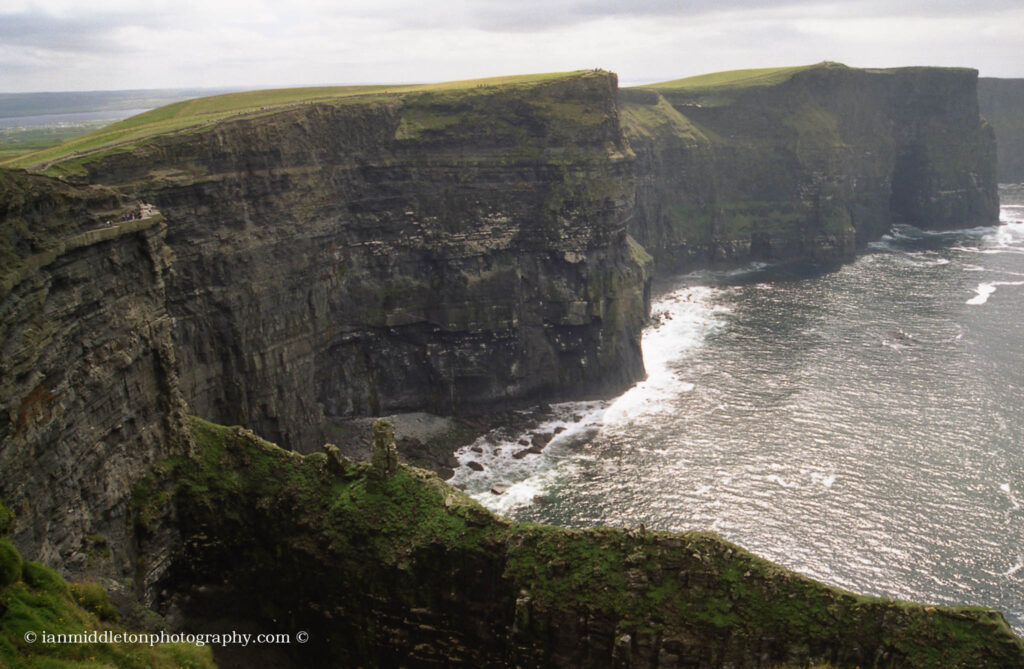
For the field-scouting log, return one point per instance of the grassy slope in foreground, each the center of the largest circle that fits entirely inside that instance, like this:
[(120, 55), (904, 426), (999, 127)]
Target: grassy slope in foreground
[(35, 599), (194, 115), (420, 548)]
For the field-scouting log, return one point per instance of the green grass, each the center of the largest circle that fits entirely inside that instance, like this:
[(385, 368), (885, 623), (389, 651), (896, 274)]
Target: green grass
[(201, 112), (656, 121), (40, 601), (768, 76), (20, 141)]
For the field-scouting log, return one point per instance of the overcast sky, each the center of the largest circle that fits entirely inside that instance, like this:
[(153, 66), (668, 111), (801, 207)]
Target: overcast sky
[(55, 45)]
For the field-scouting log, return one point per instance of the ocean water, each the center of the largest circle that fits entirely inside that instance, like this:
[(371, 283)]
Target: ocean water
[(864, 426)]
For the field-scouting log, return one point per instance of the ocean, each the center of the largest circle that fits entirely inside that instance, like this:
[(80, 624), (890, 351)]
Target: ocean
[(862, 425)]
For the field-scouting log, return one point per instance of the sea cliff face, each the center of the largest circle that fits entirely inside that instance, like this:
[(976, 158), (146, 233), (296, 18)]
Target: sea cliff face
[(88, 381), (1002, 103), (440, 251), (805, 164)]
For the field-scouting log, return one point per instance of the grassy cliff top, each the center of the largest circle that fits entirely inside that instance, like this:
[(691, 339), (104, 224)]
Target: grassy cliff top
[(768, 76), (191, 115), (739, 80)]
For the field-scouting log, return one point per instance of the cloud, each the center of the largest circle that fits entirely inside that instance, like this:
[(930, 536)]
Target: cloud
[(71, 45), (538, 15)]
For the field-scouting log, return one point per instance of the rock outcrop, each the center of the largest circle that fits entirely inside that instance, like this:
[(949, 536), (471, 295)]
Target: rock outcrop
[(407, 571), (1002, 103), (805, 163)]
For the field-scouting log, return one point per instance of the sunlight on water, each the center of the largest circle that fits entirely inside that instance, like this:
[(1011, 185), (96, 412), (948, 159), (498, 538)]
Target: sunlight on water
[(861, 426)]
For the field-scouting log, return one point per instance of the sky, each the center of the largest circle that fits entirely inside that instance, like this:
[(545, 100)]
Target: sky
[(62, 45)]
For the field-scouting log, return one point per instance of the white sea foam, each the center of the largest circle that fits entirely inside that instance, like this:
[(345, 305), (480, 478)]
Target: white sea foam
[(1013, 500), (779, 480), (682, 319), (1015, 568), (985, 290), (1007, 234), (903, 231), (885, 243), (686, 317)]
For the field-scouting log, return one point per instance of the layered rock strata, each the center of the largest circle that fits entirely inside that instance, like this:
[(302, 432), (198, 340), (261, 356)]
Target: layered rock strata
[(448, 251), (88, 381), (805, 164)]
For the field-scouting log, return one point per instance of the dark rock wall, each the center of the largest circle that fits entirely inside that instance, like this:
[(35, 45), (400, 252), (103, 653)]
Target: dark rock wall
[(1002, 104), (88, 388), (446, 251), (809, 168)]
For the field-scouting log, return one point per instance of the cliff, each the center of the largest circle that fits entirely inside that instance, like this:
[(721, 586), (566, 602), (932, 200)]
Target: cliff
[(805, 163), (387, 566), (460, 247), (450, 248), (447, 250), (88, 384), (1002, 102)]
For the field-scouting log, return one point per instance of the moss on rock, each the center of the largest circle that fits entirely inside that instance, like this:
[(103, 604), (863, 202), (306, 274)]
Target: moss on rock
[(6, 519), (10, 564), (410, 570)]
